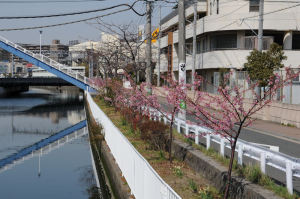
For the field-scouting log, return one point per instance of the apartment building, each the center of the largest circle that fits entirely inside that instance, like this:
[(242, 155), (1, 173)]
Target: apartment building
[(226, 34)]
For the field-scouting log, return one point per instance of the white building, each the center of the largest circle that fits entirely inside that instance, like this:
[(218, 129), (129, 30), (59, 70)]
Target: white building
[(226, 34)]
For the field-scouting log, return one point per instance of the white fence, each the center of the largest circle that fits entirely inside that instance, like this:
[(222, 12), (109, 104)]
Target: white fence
[(142, 179), (287, 164)]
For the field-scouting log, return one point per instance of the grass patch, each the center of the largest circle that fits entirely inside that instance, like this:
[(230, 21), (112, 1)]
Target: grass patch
[(251, 173)]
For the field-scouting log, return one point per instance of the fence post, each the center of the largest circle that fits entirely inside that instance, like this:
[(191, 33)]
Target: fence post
[(197, 136), (289, 177), (240, 154), (178, 126), (207, 141), (263, 162), (165, 120), (222, 146), (186, 129)]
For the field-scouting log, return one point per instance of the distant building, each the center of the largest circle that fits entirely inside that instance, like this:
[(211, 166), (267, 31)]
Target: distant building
[(73, 42), (56, 51)]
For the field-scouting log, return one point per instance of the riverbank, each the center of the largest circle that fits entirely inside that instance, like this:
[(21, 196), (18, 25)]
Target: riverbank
[(112, 183)]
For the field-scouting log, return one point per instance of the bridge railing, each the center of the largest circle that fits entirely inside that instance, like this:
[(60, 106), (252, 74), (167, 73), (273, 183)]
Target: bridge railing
[(58, 66), (142, 179), (45, 149), (290, 166)]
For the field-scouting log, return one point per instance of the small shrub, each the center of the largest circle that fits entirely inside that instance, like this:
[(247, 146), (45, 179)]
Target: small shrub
[(206, 193), (155, 134), (253, 173), (162, 155), (189, 141), (123, 121), (177, 171), (193, 186)]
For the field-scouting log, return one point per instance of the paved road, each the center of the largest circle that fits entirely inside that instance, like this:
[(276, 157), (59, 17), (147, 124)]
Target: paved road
[(286, 145)]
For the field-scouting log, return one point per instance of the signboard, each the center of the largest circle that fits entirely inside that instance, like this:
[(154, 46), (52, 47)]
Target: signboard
[(154, 36)]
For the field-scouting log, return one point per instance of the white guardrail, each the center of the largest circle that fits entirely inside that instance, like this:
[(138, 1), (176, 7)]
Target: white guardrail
[(58, 66), (287, 164), (142, 179)]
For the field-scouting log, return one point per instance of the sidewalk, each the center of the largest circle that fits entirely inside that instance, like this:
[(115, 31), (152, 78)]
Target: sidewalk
[(275, 129), (267, 127)]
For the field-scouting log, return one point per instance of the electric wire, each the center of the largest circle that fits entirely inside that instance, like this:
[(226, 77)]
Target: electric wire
[(66, 23), (75, 13)]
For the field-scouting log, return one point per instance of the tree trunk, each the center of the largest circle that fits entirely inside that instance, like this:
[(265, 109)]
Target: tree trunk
[(171, 138), (226, 194)]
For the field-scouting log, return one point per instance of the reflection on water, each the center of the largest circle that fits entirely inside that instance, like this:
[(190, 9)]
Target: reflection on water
[(29, 118)]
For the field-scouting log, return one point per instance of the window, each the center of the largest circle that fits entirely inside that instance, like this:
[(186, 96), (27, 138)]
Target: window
[(254, 5), (296, 41), (223, 41), (251, 42), (201, 45), (198, 47)]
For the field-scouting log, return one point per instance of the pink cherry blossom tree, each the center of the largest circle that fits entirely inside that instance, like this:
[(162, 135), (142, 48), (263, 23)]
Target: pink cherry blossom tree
[(227, 113)]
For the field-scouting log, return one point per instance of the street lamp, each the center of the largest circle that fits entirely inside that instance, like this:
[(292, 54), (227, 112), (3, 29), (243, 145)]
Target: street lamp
[(41, 42)]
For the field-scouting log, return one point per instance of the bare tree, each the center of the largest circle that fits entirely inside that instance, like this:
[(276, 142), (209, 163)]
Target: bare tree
[(127, 50)]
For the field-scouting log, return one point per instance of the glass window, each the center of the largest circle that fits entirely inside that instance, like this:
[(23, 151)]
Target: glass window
[(223, 41), (254, 5), (296, 41)]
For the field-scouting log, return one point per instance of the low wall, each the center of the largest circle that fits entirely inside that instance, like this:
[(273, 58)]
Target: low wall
[(217, 173)]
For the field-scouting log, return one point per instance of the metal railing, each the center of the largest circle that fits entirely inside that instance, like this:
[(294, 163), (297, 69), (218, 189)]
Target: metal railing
[(279, 161), (142, 179), (58, 66)]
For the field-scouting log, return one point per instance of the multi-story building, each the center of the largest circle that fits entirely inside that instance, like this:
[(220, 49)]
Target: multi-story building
[(56, 51), (226, 34)]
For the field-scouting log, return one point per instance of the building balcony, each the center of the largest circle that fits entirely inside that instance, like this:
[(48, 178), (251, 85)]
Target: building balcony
[(233, 58)]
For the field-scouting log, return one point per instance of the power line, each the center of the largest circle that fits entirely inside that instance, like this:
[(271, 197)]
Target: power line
[(54, 1), (66, 23), (76, 13)]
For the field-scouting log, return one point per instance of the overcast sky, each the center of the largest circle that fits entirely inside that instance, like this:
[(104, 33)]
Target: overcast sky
[(81, 31)]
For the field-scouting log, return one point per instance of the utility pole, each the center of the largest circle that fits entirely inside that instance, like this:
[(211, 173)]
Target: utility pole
[(91, 62), (148, 48), (158, 51), (194, 43), (12, 65), (260, 34), (181, 53), (261, 25), (41, 42)]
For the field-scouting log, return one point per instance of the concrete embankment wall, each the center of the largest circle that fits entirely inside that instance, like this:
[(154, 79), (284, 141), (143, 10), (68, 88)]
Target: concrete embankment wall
[(217, 173), (107, 168)]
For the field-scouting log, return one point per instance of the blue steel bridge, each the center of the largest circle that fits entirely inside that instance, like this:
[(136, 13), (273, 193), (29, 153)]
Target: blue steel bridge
[(64, 72), (44, 146)]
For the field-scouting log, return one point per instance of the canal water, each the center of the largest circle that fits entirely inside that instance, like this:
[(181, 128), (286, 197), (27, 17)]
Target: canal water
[(63, 173)]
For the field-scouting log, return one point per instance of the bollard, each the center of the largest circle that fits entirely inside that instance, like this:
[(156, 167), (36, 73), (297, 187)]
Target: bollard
[(263, 162), (207, 141), (289, 177), (222, 147), (240, 154)]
